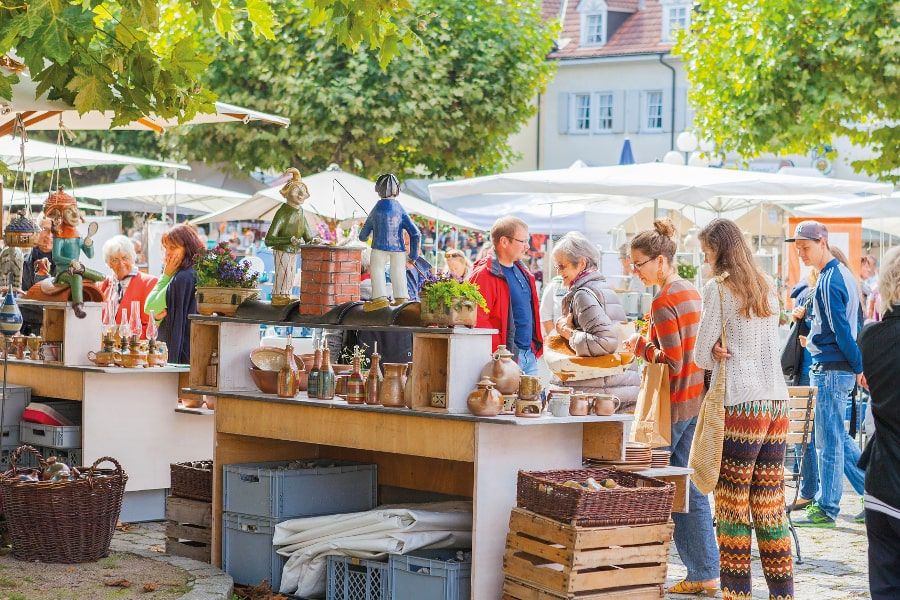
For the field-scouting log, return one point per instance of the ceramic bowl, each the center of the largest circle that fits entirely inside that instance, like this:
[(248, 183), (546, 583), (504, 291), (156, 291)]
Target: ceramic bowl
[(271, 359), (308, 361), (192, 402), (341, 369), (266, 381)]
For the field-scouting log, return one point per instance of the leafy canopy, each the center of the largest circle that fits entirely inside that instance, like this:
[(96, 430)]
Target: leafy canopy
[(136, 57), (789, 76), (446, 105)]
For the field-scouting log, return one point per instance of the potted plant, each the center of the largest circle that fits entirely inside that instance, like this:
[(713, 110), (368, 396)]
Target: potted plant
[(223, 282), (447, 302)]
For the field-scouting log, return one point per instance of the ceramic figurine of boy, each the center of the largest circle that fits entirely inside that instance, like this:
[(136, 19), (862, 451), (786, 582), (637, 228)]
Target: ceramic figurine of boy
[(287, 232), (68, 271), (386, 224)]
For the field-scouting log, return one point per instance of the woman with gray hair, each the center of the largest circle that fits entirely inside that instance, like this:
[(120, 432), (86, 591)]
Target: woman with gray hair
[(126, 284), (591, 313)]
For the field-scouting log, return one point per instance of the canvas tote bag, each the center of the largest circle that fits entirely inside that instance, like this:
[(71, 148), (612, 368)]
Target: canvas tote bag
[(706, 447), (653, 411)]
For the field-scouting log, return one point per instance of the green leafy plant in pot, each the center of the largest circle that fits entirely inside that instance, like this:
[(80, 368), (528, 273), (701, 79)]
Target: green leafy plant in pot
[(223, 281), (447, 302)]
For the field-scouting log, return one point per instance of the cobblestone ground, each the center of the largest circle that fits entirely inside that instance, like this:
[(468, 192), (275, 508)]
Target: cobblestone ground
[(834, 560)]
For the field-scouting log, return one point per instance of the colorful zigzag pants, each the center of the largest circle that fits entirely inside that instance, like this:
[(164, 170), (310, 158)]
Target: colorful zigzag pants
[(751, 490)]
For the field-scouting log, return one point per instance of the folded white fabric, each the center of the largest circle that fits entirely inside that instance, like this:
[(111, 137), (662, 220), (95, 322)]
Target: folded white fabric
[(370, 535)]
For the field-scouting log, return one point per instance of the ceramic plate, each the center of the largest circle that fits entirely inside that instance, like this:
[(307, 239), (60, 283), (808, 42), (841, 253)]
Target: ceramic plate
[(267, 359)]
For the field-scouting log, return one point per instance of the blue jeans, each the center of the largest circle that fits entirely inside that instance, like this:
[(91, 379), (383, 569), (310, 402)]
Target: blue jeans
[(837, 452), (528, 362), (809, 474), (694, 535)]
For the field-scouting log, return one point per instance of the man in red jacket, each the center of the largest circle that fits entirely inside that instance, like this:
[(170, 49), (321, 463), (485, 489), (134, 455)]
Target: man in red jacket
[(512, 299)]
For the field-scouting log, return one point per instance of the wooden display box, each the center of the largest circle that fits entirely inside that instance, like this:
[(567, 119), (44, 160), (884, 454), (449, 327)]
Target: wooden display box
[(78, 336), (449, 363), (189, 528), (233, 342), (550, 560)]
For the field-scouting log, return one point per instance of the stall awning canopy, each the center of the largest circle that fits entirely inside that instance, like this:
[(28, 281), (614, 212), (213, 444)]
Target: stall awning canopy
[(42, 156), (718, 190), (152, 195), (329, 198)]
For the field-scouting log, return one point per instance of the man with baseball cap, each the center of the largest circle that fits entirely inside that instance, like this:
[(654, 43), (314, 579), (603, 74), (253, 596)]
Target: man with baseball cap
[(837, 365)]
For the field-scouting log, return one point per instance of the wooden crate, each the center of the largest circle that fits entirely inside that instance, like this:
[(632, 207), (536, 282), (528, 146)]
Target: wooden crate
[(233, 343), (517, 590), (450, 363), (562, 561), (189, 528)]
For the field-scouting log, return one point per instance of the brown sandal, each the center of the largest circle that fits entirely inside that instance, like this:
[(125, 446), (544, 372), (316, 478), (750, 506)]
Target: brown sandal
[(693, 587)]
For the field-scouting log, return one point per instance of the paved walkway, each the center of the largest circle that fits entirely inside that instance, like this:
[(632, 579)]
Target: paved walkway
[(834, 561)]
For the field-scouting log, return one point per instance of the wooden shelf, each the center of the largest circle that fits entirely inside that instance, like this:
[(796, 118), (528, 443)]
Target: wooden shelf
[(319, 325), (194, 411)]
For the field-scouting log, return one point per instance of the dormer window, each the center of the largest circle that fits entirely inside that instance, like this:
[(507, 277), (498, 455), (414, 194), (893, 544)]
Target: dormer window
[(676, 17), (593, 22)]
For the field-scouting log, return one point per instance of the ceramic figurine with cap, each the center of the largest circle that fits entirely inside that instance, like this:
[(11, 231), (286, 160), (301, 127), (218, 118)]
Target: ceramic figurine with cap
[(385, 225), (68, 271), (287, 231)]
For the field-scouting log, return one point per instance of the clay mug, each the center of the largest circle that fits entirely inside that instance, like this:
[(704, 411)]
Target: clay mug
[(34, 346), (605, 405), (529, 387), (579, 405), (559, 407)]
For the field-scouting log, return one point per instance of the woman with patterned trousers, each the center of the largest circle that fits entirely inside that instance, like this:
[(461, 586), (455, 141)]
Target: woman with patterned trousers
[(750, 487)]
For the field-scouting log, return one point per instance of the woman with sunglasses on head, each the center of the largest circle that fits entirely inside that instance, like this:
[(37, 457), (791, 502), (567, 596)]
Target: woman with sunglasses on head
[(674, 321)]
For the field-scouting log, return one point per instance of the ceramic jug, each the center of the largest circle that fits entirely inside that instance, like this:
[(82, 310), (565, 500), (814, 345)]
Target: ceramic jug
[(503, 371), (393, 384), (605, 405), (579, 405), (484, 400)]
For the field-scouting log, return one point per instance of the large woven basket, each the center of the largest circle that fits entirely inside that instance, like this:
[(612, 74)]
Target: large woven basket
[(192, 480), (65, 521), (640, 500)]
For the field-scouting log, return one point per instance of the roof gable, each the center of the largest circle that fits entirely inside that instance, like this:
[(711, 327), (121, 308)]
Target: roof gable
[(641, 32)]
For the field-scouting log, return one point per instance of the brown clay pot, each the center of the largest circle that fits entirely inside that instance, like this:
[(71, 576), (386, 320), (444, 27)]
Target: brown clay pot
[(485, 400), (393, 384), (503, 371)]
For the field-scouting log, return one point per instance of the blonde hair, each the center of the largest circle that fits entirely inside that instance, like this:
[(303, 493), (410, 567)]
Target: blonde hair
[(505, 227), (889, 282), (659, 241)]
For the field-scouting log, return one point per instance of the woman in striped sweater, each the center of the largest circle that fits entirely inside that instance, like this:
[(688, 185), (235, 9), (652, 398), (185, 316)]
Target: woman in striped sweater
[(751, 484), (674, 319)]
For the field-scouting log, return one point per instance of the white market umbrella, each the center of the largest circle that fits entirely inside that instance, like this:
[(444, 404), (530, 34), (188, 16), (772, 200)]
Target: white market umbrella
[(328, 198), (43, 156), (15, 199), (880, 213), (693, 186), (153, 195)]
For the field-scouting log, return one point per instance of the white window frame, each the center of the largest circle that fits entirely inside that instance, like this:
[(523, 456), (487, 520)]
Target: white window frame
[(589, 10), (588, 37), (575, 116), (648, 115), (599, 117), (668, 34)]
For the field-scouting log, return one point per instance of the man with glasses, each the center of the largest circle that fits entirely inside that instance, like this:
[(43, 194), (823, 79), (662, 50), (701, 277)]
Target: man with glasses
[(511, 295)]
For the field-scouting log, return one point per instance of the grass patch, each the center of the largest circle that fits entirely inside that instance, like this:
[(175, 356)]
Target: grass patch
[(8, 583), (109, 562)]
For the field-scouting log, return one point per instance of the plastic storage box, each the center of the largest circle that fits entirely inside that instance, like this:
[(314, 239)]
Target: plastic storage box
[(10, 435), (432, 574), (247, 551), (50, 436), (357, 579), (17, 398), (271, 490)]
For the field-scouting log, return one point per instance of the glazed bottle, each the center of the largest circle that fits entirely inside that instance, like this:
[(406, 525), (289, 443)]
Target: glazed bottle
[(312, 388), (212, 369), (373, 381), (326, 377), (287, 377), (356, 385)]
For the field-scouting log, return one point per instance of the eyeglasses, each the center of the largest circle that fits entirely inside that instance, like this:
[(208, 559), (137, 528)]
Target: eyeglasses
[(636, 266), (518, 240)]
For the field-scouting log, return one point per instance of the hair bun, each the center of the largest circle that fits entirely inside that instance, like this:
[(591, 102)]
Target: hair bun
[(664, 226)]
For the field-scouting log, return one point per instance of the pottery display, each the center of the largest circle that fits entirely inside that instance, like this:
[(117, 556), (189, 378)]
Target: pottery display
[(18, 345), (104, 358), (559, 407), (266, 381), (191, 402), (267, 359), (374, 379), (356, 385), (158, 354), (580, 405), (393, 384), (530, 387), (326, 384), (51, 351), (503, 371), (340, 385), (605, 405), (34, 346), (287, 374), (528, 408), (340, 369), (485, 400), (509, 404)]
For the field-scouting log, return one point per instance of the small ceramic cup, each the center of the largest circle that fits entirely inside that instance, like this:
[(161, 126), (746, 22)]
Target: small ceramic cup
[(559, 407)]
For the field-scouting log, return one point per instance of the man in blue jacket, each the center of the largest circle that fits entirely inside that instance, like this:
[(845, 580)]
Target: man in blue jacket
[(837, 365)]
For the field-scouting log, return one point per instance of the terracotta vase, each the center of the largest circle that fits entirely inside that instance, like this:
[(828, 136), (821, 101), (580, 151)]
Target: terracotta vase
[(484, 400), (393, 384), (503, 371)]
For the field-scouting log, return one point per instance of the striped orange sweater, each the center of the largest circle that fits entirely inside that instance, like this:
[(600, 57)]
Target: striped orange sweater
[(674, 321)]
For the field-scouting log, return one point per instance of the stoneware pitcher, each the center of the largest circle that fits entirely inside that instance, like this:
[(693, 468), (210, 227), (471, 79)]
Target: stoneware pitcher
[(605, 405), (503, 371), (485, 400), (393, 384)]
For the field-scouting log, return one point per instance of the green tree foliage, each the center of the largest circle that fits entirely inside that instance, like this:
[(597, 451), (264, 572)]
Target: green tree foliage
[(787, 76), (136, 57), (448, 104)]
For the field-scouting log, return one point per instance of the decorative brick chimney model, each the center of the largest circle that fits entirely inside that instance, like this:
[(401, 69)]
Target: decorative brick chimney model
[(329, 275)]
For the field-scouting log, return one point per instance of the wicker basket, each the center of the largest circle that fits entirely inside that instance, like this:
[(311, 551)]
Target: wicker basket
[(65, 521), (193, 480), (641, 500)]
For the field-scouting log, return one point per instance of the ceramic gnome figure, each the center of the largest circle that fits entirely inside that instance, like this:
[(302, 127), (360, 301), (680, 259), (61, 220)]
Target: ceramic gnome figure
[(68, 271), (287, 232), (386, 224)]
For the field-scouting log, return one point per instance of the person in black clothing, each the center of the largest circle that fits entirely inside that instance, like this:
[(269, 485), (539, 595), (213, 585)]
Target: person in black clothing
[(180, 242), (878, 343), (37, 266)]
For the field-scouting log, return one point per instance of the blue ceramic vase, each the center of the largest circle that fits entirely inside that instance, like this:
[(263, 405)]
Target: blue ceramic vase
[(10, 316)]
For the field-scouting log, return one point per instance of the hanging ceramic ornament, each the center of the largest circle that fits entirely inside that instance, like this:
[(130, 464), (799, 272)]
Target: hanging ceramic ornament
[(10, 315)]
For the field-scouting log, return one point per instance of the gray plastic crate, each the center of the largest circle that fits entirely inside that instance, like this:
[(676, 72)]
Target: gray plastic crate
[(432, 574), (70, 409), (69, 456), (17, 398), (50, 436), (26, 459), (357, 579), (247, 551), (270, 490), (9, 436)]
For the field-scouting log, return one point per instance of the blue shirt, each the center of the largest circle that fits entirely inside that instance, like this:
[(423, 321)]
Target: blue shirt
[(522, 305), (835, 324), (386, 223)]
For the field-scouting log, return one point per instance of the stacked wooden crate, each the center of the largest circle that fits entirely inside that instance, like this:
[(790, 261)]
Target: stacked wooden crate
[(550, 560), (189, 511)]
